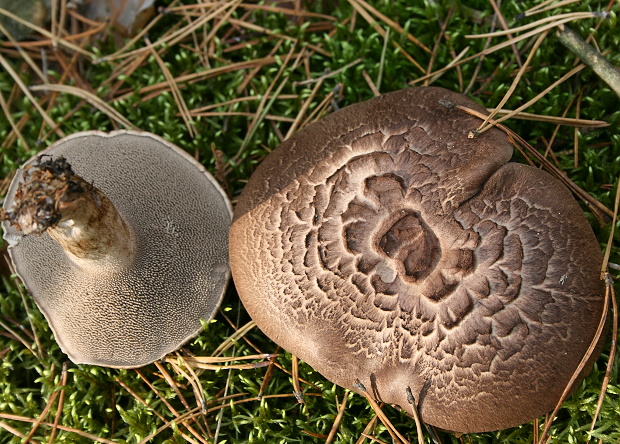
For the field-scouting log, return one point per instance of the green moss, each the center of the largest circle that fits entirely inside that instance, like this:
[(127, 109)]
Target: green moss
[(95, 401)]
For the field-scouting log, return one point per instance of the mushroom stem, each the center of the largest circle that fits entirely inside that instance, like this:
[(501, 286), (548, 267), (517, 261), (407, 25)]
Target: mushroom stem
[(75, 213)]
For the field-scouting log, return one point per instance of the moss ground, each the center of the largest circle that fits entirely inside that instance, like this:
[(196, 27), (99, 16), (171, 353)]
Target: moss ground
[(229, 91)]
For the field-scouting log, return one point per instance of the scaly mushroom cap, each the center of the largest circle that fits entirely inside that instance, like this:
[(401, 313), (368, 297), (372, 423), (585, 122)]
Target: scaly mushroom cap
[(136, 313), (380, 244)]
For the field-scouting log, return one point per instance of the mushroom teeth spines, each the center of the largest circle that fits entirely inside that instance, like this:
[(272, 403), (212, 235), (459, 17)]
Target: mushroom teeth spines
[(135, 313), (382, 244)]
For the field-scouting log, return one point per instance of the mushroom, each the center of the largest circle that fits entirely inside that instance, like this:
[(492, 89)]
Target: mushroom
[(396, 255), (122, 240)]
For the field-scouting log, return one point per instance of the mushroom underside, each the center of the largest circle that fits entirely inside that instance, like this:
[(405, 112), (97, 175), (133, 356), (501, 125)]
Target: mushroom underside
[(136, 314)]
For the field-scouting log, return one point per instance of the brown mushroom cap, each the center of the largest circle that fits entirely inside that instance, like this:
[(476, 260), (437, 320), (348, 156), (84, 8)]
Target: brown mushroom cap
[(134, 313), (383, 245)]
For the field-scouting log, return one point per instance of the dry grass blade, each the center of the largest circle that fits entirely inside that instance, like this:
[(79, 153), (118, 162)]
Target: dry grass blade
[(172, 383), (542, 4), (9, 117), (416, 416), (265, 105), (501, 46), (176, 93), (8, 428), (365, 434), (202, 75), (304, 108), (338, 419), (474, 77), (329, 74), (266, 31), (180, 419), (208, 39), (454, 62), (267, 377), (215, 360), (370, 83), (557, 19), (392, 24), (177, 420), (438, 40), (549, 144), (18, 338), (600, 210), (138, 37), (44, 43), (287, 11), (157, 393), (197, 111), (322, 107), (192, 378), (25, 90), (516, 80), (386, 39), (545, 6), (395, 434), (220, 414), (611, 233), (243, 401), (193, 362), (566, 121), (43, 414), (60, 427), (357, 5), (230, 341), (177, 36), (90, 98), (372, 438), (299, 395), (611, 294), (249, 77), (502, 21), (576, 130), (263, 31), (530, 102), (240, 113), (61, 401), (24, 55), (139, 399), (46, 33)]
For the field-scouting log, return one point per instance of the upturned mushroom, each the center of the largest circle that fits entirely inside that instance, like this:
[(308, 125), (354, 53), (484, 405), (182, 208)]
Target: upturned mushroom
[(383, 246), (122, 240)]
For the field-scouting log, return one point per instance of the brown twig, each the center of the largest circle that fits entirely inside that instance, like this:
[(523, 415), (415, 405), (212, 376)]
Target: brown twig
[(502, 21), (394, 433), (591, 57), (60, 427), (338, 419), (438, 40)]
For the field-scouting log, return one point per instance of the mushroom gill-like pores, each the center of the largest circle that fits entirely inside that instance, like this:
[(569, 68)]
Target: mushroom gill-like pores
[(382, 245), (122, 240)]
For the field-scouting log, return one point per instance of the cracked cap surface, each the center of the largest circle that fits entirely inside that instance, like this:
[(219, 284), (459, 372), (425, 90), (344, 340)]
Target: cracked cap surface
[(381, 244)]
